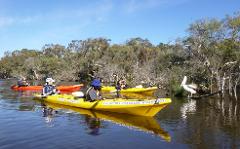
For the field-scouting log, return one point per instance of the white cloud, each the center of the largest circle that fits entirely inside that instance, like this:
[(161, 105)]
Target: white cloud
[(86, 14), (137, 5), (6, 21), (93, 12)]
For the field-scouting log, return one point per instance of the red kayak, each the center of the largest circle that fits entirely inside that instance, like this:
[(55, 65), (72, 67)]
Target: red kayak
[(70, 88)]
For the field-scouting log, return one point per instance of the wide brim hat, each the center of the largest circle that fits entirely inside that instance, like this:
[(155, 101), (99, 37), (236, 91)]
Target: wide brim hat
[(50, 80)]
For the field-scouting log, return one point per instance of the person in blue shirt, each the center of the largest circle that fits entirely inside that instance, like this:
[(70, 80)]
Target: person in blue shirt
[(49, 87), (93, 93)]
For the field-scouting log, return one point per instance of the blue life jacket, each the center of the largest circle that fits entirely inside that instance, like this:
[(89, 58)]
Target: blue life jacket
[(48, 89)]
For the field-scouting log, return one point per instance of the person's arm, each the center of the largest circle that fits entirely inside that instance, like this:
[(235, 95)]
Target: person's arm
[(44, 91), (99, 96), (47, 90), (55, 90)]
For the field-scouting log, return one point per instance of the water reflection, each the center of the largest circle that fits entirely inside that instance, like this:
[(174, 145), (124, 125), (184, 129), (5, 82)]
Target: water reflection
[(204, 123), (210, 122), (188, 107), (48, 114), (93, 124), (93, 121), (226, 111)]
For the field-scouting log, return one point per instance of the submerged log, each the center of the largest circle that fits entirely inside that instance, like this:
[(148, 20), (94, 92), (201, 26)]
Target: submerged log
[(206, 95)]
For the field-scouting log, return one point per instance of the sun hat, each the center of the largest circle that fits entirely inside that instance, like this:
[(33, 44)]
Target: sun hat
[(50, 80), (96, 83)]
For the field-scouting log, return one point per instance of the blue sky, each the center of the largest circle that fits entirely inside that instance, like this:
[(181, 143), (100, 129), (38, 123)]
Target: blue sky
[(33, 23)]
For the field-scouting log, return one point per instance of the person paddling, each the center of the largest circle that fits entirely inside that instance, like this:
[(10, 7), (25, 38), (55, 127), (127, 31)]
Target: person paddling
[(49, 88), (121, 84), (22, 82), (93, 93)]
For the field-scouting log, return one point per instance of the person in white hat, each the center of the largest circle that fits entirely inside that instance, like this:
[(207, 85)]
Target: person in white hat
[(49, 87), (22, 82)]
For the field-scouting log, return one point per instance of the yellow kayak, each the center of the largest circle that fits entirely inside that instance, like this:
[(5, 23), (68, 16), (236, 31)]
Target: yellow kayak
[(148, 90), (141, 107), (146, 124)]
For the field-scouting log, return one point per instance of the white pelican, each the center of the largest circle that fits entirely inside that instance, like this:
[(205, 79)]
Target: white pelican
[(189, 87)]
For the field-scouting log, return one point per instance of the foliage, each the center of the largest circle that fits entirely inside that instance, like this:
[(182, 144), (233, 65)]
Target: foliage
[(209, 54)]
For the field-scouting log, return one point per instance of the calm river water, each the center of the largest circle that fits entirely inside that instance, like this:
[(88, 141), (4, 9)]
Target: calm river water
[(26, 124)]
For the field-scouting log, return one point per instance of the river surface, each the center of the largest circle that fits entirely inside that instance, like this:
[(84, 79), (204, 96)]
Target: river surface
[(210, 123)]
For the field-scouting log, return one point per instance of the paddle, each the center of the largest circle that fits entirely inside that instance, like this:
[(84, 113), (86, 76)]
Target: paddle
[(113, 91), (78, 94)]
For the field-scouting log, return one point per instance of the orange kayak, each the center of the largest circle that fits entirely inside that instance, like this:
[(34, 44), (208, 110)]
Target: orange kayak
[(70, 88)]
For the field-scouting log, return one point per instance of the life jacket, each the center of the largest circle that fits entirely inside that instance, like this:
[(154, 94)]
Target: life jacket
[(48, 89), (88, 98), (92, 94), (121, 84)]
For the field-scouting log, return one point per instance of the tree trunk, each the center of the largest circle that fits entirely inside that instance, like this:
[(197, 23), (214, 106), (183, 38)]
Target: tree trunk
[(230, 85), (235, 87), (223, 84), (211, 88), (219, 82), (36, 75)]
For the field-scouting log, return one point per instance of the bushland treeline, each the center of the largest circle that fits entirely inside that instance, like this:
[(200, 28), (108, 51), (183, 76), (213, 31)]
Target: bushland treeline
[(209, 55)]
